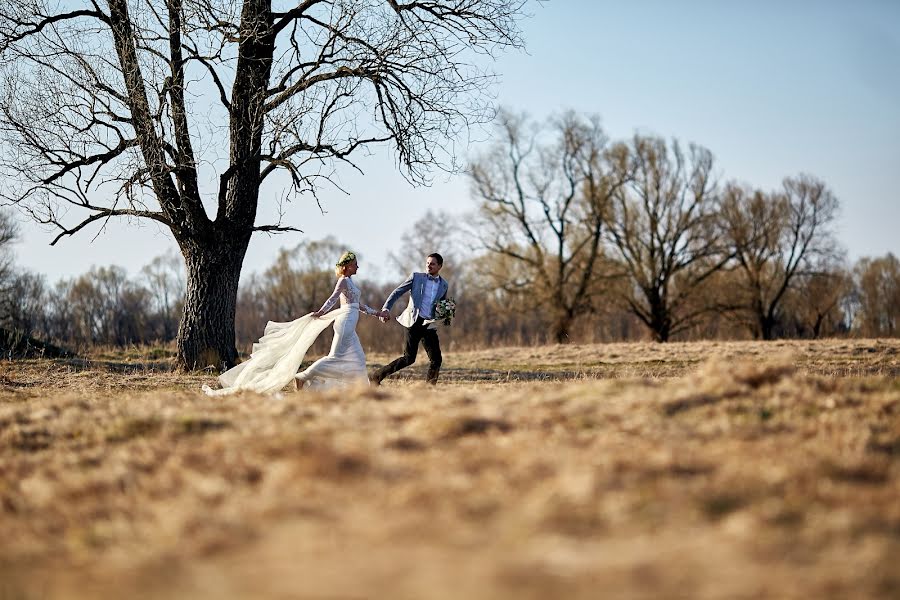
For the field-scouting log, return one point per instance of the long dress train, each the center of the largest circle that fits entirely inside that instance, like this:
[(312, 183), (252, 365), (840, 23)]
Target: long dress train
[(274, 360)]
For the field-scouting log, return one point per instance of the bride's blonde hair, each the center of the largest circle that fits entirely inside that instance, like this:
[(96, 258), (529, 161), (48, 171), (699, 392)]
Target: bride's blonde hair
[(346, 258)]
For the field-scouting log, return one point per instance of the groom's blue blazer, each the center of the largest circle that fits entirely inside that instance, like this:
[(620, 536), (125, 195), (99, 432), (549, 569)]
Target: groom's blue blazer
[(415, 285)]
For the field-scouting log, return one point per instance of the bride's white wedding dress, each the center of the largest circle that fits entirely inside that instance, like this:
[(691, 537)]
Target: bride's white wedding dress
[(274, 360)]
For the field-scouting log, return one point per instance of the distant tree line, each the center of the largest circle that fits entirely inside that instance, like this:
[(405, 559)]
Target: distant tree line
[(579, 224), (574, 238), (106, 307)]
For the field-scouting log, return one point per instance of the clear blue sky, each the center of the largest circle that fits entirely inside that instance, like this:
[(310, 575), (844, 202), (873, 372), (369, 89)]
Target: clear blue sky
[(773, 88)]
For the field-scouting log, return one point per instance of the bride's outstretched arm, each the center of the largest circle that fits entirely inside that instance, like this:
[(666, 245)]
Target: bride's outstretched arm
[(338, 288), (365, 308)]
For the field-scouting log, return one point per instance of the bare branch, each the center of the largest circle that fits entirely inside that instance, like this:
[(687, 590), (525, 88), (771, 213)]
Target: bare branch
[(276, 228), (106, 214), (22, 30), (285, 19)]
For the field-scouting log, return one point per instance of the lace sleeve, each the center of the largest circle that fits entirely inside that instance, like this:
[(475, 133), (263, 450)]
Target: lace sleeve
[(333, 298), (365, 308)]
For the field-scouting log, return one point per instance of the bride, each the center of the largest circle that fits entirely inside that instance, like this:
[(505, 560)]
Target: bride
[(275, 358)]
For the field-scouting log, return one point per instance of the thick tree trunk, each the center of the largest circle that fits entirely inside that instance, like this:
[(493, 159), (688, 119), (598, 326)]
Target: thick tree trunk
[(767, 327), (213, 256), (206, 333), (561, 326), (817, 326), (661, 333), (660, 323)]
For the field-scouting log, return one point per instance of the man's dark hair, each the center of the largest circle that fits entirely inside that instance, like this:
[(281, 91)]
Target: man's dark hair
[(437, 257)]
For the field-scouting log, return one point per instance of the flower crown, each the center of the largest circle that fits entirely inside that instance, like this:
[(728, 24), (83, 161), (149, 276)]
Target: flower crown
[(346, 258)]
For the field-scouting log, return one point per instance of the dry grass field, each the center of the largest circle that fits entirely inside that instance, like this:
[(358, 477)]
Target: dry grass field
[(704, 470)]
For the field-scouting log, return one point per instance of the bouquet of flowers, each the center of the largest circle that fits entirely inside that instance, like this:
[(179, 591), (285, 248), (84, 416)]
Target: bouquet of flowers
[(445, 310)]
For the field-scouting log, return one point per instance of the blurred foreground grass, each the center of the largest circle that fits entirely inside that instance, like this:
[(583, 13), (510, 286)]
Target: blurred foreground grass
[(707, 470)]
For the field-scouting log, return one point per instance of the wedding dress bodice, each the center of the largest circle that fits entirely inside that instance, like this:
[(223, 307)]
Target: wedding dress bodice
[(349, 294)]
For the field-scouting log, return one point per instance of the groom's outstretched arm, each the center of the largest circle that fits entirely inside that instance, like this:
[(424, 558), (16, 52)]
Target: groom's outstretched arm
[(401, 289)]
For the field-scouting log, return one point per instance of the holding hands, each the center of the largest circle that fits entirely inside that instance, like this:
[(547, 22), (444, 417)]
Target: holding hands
[(383, 315)]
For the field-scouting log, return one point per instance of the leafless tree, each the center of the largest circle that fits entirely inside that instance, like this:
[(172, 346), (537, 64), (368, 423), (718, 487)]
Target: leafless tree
[(815, 304), (106, 307), (878, 289), (436, 231), (165, 282), (664, 233), (22, 303), (544, 192), (775, 239), (60, 323), (116, 108), (9, 233), (11, 281)]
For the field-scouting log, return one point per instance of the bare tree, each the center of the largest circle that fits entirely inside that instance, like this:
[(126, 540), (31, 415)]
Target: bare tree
[(436, 231), (754, 222), (165, 280), (115, 109), (107, 308), (815, 304), (544, 193), (60, 321), (775, 239), (664, 232), (9, 233), (18, 290), (878, 288), (23, 303)]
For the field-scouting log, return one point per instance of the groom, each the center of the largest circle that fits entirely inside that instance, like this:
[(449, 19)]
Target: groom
[(425, 290)]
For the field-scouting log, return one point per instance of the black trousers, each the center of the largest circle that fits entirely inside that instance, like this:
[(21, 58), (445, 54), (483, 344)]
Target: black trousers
[(415, 334)]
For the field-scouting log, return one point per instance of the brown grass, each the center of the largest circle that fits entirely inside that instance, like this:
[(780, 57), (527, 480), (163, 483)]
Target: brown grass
[(707, 470)]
